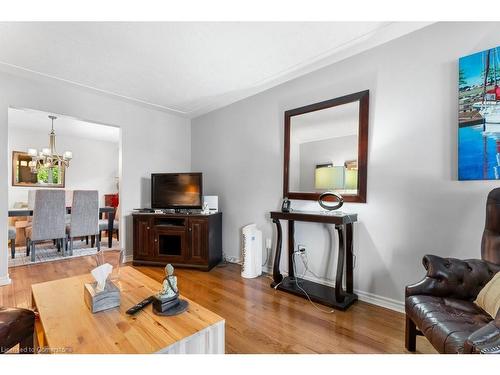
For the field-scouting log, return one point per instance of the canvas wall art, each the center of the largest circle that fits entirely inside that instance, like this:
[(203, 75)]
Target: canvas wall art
[(479, 116)]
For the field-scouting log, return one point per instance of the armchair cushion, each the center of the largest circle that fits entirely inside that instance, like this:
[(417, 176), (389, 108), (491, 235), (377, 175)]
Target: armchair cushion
[(103, 224), (489, 297), (453, 278), (446, 322)]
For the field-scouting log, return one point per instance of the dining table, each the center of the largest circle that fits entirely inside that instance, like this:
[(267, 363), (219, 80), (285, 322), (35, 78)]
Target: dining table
[(110, 211)]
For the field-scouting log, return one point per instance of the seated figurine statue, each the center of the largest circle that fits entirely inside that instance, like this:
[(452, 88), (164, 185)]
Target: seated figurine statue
[(167, 301), (169, 288)]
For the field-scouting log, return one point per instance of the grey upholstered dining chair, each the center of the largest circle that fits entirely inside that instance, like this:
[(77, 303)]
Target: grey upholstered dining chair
[(48, 220), (103, 225), (31, 198), (84, 216), (12, 239)]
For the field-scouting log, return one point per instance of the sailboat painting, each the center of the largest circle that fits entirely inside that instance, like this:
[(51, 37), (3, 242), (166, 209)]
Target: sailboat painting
[(479, 116)]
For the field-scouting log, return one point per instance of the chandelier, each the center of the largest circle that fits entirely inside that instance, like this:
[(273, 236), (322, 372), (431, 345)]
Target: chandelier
[(48, 157)]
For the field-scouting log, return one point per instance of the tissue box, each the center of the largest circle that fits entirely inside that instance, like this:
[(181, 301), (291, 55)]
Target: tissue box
[(105, 300)]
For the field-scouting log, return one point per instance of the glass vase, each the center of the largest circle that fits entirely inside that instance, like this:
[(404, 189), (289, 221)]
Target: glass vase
[(114, 257)]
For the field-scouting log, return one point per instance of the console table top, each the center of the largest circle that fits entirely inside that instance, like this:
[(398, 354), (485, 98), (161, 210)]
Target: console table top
[(335, 217)]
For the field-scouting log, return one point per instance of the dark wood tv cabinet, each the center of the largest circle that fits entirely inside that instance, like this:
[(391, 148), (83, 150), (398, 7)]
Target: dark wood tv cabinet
[(184, 240)]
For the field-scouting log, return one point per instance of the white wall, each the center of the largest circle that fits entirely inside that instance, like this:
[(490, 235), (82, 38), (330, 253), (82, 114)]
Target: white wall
[(415, 204), (94, 165), (152, 141)]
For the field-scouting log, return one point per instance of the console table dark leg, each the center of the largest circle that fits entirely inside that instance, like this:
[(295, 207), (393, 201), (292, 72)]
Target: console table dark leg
[(349, 259), (277, 276), (291, 248), (339, 294)]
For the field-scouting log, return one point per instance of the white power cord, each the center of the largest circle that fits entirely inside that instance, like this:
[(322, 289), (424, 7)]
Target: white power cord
[(305, 262), (303, 291)]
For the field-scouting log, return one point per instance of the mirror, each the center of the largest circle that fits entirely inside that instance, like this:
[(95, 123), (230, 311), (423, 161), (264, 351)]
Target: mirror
[(46, 177), (326, 149)]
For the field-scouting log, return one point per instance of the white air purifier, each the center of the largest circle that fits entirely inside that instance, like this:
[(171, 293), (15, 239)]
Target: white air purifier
[(252, 252)]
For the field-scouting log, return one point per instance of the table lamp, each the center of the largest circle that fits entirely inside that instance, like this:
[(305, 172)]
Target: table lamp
[(329, 177)]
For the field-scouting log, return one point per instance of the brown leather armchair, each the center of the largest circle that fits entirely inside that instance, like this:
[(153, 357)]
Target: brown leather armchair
[(441, 306), (17, 326)]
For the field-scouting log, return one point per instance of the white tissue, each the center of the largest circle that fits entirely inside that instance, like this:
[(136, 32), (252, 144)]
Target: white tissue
[(100, 275)]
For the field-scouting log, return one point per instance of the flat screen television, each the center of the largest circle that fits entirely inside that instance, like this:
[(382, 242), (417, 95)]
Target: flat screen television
[(176, 190)]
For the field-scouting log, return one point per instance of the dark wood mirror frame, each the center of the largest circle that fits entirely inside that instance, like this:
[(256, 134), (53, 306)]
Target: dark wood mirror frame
[(363, 98)]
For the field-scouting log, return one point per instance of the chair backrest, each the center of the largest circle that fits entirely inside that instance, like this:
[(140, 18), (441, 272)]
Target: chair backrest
[(48, 215), (85, 213), (69, 198), (31, 198), (490, 244)]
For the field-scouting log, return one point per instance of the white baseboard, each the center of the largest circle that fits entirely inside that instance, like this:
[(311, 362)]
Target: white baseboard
[(367, 297), (128, 258), (5, 280), (235, 260), (374, 299)]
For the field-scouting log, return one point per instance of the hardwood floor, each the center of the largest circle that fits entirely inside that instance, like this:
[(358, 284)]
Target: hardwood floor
[(259, 319)]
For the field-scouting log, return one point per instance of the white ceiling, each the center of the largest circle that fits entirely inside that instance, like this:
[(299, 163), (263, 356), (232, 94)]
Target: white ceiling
[(38, 121), (188, 68)]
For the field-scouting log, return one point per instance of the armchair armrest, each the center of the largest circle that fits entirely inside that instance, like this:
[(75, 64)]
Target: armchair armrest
[(454, 278), (485, 340), (16, 327)]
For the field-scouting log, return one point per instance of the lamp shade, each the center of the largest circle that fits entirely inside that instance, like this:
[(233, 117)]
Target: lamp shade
[(351, 179), (329, 177)]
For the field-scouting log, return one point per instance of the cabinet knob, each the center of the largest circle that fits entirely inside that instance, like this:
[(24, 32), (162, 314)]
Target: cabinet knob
[(147, 228), (156, 240)]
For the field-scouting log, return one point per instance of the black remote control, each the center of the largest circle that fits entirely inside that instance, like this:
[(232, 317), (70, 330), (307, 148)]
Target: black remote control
[(140, 305)]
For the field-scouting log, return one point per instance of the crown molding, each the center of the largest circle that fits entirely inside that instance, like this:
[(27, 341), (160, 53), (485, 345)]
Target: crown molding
[(358, 45), (29, 73)]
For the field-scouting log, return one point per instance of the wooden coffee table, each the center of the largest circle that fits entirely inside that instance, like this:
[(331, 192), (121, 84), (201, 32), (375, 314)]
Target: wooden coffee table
[(67, 326)]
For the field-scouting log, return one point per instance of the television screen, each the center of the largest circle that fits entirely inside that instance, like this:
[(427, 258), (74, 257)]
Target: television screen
[(176, 190)]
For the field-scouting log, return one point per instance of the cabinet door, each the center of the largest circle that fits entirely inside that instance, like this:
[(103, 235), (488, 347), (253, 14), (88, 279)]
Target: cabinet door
[(169, 244), (198, 240), (142, 237)]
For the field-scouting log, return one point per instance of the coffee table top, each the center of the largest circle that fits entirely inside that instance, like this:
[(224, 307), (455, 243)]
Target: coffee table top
[(68, 323)]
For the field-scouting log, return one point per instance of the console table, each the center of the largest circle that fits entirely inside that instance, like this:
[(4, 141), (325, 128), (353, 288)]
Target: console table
[(334, 297)]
